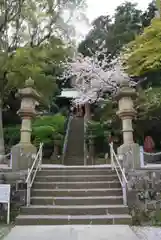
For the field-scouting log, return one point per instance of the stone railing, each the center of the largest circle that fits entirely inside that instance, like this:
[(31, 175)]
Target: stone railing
[(144, 195), (150, 158), (18, 194), (144, 189)]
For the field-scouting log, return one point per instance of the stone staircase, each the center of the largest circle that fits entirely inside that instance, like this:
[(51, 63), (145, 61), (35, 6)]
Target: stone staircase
[(75, 195), (75, 146)]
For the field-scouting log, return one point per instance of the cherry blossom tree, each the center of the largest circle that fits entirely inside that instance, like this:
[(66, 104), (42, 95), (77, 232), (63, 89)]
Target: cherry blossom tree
[(94, 76)]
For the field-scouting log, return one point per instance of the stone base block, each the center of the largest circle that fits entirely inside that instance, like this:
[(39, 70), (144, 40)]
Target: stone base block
[(23, 156), (11, 177), (131, 155)]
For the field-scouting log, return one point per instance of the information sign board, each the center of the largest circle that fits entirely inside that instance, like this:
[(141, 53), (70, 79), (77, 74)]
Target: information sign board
[(5, 190)]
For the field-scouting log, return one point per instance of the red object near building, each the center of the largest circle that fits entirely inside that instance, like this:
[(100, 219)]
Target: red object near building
[(149, 144)]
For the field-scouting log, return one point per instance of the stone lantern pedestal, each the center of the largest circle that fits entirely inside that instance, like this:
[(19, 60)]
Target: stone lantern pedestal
[(24, 152), (130, 151)]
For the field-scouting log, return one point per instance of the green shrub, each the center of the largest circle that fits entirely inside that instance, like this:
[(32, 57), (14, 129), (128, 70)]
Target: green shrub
[(95, 129), (11, 136), (43, 134), (46, 129), (57, 122)]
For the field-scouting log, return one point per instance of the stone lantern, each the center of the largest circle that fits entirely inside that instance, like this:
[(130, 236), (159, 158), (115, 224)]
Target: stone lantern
[(24, 151), (126, 112)]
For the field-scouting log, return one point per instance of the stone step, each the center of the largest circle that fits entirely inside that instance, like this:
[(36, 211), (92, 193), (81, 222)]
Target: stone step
[(77, 200), (50, 167), (73, 147), (74, 210), (78, 185), (78, 145), (75, 153), (80, 219), (70, 163), (76, 128), (74, 157), (78, 178), (76, 142), (76, 192), (74, 160), (65, 172)]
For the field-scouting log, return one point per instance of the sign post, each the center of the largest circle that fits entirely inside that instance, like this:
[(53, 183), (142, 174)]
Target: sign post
[(5, 190)]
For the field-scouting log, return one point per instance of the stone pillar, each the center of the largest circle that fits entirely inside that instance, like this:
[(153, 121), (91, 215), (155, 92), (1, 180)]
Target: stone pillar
[(2, 147), (81, 110), (90, 148), (55, 154), (126, 112), (77, 110), (23, 152), (88, 111), (91, 160)]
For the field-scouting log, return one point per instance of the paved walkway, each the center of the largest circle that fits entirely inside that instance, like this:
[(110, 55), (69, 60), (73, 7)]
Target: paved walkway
[(71, 233), (148, 233), (108, 232), (4, 230)]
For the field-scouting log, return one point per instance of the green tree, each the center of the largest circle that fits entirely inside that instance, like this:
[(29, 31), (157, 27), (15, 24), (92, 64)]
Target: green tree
[(97, 37), (112, 36), (26, 25), (143, 55), (149, 14), (126, 26), (42, 63), (31, 22)]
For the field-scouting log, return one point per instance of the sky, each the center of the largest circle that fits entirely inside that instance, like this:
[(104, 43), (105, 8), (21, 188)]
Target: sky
[(95, 8), (98, 7)]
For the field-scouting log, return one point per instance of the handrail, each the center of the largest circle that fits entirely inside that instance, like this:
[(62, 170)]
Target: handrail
[(85, 147), (33, 170), (66, 138), (121, 175)]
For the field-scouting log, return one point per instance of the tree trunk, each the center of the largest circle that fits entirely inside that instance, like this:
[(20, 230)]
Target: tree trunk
[(2, 149)]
